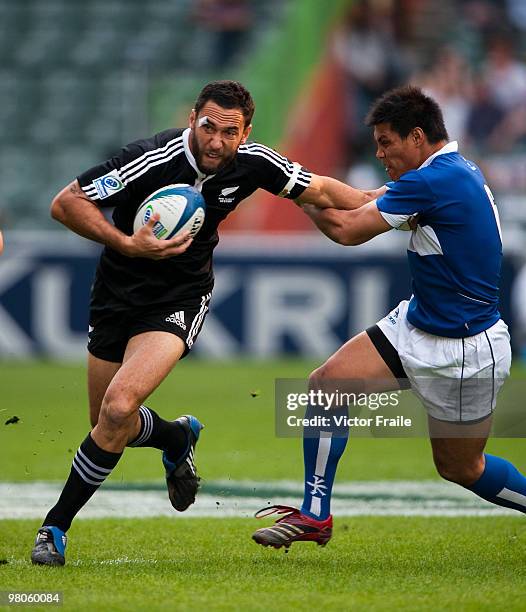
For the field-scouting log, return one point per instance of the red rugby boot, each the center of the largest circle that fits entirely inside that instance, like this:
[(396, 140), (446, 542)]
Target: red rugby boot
[(293, 527)]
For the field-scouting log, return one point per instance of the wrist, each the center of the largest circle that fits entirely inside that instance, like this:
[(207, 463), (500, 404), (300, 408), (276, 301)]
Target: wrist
[(125, 246)]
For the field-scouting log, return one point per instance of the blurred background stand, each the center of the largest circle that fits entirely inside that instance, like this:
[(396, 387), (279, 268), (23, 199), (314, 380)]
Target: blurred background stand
[(81, 78)]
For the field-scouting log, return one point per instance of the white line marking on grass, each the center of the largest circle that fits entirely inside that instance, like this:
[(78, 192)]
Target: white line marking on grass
[(230, 498)]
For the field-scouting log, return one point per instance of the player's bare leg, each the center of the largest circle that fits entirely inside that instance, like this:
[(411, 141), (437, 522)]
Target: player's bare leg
[(458, 453), (148, 360), (458, 449), (122, 413), (100, 375), (356, 367), (357, 360)]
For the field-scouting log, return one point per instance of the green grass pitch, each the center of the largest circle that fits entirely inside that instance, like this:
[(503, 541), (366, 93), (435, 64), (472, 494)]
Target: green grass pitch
[(372, 563), (211, 564), (238, 442)]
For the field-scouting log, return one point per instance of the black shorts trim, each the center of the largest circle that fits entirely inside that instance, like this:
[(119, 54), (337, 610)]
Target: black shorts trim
[(387, 351)]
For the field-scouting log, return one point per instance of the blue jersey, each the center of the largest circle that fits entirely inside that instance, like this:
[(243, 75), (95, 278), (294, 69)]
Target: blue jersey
[(456, 251)]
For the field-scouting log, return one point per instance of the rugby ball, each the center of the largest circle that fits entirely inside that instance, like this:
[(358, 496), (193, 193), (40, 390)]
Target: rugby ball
[(181, 207)]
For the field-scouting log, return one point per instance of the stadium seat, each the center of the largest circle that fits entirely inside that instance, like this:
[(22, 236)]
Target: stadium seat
[(74, 82)]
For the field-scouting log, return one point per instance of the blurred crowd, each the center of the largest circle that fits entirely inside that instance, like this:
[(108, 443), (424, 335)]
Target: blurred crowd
[(468, 54), (229, 23)]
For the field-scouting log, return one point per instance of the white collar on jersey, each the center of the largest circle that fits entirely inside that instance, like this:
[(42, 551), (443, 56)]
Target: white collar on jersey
[(201, 178), (451, 147)]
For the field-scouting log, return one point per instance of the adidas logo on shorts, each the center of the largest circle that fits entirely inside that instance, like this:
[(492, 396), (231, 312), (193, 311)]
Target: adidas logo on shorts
[(177, 318)]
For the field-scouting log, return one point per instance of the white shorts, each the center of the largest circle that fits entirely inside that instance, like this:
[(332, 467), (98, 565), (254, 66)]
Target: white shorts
[(457, 379)]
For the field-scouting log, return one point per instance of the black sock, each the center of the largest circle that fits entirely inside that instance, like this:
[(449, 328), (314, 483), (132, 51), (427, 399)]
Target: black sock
[(91, 466), (155, 432)]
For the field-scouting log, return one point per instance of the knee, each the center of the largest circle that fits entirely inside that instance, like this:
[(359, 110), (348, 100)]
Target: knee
[(322, 379), (318, 376), (116, 409), (328, 378), (464, 474)]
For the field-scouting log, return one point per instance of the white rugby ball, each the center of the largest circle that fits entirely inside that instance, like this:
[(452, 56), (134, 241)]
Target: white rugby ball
[(181, 207)]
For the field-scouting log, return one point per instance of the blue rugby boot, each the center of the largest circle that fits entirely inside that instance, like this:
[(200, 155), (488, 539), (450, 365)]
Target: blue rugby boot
[(50, 546), (181, 476)]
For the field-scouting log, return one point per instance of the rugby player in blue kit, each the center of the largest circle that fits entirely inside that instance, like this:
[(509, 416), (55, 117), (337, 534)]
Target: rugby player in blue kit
[(447, 341)]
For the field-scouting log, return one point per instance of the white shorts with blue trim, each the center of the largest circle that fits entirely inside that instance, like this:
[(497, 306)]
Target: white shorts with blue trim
[(457, 379)]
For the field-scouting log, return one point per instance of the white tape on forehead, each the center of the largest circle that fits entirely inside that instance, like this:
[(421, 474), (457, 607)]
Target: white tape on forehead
[(292, 180), (203, 121)]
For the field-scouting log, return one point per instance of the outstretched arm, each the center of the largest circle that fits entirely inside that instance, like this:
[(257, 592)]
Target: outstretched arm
[(349, 227), (77, 212), (326, 192)]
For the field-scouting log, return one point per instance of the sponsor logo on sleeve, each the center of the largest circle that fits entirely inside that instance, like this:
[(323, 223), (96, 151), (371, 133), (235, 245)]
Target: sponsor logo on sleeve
[(108, 184)]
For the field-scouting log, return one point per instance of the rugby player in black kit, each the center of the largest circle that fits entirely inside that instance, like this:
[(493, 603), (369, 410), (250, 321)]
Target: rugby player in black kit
[(150, 296)]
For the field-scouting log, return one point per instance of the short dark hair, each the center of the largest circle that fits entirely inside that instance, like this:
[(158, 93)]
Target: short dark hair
[(228, 94), (405, 108)]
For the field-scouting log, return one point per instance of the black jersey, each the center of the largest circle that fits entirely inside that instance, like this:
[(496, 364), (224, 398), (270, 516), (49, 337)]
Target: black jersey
[(144, 166)]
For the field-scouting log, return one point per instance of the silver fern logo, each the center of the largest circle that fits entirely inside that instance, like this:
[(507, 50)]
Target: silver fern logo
[(226, 197)]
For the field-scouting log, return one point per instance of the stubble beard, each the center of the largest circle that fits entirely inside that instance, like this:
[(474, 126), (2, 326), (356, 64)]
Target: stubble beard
[(198, 156)]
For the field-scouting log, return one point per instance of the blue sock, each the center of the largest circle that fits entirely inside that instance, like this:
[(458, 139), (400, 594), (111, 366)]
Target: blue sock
[(322, 449), (501, 483)]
